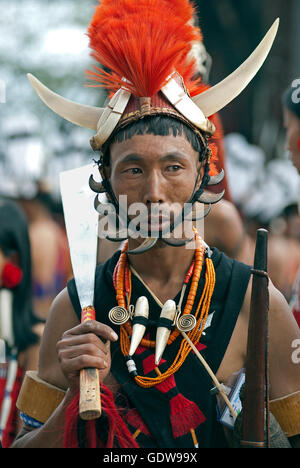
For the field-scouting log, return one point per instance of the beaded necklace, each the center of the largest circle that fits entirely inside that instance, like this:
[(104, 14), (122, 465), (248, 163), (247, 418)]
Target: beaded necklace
[(123, 287)]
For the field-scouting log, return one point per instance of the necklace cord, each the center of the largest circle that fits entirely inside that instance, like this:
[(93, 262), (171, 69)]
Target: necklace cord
[(123, 287)]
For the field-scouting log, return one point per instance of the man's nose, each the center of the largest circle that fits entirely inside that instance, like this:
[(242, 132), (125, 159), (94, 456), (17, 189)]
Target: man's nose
[(154, 188)]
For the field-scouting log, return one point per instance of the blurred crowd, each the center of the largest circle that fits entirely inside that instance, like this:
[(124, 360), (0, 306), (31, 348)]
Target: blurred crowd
[(34, 257)]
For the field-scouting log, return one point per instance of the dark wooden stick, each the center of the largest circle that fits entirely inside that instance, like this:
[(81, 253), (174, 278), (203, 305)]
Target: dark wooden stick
[(256, 393)]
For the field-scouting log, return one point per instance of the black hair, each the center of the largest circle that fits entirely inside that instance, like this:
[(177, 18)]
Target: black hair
[(160, 125), (14, 238), (290, 99), (290, 211)]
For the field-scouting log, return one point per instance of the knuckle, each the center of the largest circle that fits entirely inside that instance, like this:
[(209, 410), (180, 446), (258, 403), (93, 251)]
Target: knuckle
[(85, 361), (61, 355), (104, 364), (91, 338), (90, 349), (59, 345), (82, 360), (88, 326)]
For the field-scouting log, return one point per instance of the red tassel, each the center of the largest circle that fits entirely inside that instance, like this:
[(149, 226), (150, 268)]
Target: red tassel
[(11, 276), (118, 433), (10, 430), (185, 415), (70, 434)]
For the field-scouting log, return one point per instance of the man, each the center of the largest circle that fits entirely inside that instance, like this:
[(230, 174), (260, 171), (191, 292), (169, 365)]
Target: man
[(154, 150)]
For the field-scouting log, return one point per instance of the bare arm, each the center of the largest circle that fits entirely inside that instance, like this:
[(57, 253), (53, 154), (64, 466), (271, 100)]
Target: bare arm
[(66, 348), (284, 332), (284, 371)]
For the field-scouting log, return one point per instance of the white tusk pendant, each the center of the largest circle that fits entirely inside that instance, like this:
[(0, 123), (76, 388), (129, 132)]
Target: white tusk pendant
[(164, 329), (139, 321)]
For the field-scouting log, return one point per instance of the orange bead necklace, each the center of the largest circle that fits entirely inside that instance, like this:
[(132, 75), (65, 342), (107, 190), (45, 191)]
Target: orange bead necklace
[(123, 287)]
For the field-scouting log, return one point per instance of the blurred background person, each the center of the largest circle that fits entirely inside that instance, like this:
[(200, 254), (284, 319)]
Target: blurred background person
[(264, 193), (24, 173), (223, 227), (20, 328), (291, 111)]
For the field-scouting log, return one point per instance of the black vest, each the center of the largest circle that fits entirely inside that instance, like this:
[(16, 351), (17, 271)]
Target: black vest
[(176, 412)]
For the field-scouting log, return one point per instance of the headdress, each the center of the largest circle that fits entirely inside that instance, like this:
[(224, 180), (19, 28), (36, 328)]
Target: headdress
[(144, 48)]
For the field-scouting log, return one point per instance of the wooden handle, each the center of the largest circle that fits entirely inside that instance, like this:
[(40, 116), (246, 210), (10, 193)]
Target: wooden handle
[(89, 400), (256, 392)]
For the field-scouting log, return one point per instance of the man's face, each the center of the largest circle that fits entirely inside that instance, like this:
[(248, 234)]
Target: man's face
[(156, 171), (292, 125)]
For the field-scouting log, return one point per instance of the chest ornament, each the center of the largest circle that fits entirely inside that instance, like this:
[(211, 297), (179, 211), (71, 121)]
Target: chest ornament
[(173, 322)]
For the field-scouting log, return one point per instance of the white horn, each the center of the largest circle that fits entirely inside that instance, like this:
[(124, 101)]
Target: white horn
[(162, 334), (78, 114), (138, 329), (217, 97)]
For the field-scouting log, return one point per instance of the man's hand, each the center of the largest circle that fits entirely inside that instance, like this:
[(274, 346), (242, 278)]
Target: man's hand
[(67, 347), (85, 345)]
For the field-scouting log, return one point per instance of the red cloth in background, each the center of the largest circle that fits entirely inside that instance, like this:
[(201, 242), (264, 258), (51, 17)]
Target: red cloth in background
[(10, 430)]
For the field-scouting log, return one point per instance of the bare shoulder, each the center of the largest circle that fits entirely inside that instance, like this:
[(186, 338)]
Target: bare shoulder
[(224, 229), (224, 216), (224, 212), (280, 316), (284, 371), (61, 317), (283, 334)]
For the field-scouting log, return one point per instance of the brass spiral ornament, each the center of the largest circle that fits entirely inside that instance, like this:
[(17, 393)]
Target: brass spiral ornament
[(118, 315), (186, 323)]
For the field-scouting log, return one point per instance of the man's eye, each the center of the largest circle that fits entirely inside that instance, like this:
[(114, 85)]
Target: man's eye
[(134, 170), (174, 168)]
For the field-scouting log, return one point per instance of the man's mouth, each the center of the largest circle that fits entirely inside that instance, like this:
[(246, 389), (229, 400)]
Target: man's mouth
[(155, 225)]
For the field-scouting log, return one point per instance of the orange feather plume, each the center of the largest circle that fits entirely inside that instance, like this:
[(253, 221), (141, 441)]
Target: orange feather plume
[(142, 41)]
